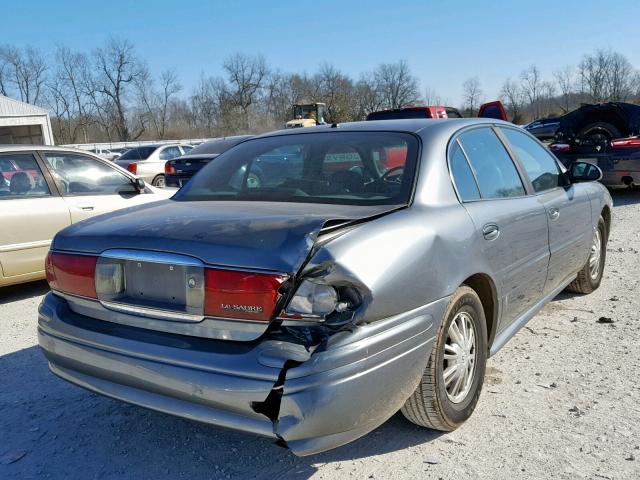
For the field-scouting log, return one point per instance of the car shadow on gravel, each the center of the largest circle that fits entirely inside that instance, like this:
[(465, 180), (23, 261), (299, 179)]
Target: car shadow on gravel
[(53, 429), (23, 291), (625, 196)]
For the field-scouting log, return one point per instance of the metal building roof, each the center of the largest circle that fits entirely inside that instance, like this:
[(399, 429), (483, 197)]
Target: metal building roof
[(14, 108)]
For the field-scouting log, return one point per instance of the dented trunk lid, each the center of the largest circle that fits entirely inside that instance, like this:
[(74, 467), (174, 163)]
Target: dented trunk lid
[(269, 236)]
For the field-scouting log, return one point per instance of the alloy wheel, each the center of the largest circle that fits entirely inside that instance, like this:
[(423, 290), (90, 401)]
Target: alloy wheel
[(459, 357)]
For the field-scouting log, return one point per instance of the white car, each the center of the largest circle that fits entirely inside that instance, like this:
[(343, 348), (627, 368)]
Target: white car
[(147, 161), (44, 189)]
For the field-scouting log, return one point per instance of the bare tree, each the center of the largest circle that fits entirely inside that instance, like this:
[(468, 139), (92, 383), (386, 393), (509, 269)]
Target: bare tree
[(367, 96), (593, 75), (472, 95), (431, 97), (24, 70), (246, 75), (336, 90), (566, 83), (155, 102), (117, 71), (532, 88), (513, 97), (395, 84), (620, 77)]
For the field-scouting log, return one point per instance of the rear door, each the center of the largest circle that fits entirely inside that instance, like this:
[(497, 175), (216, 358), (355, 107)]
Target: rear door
[(511, 223), (90, 186), (567, 207), (31, 213)]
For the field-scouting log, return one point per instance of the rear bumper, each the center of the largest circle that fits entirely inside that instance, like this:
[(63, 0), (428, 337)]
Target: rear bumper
[(331, 397), (176, 180)]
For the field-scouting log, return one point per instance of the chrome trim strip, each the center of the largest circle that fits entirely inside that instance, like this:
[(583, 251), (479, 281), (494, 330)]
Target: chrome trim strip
[(150, 256), (24, 246), (152, 312)]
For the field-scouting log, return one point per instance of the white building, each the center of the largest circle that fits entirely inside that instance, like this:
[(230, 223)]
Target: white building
[(24, 123)]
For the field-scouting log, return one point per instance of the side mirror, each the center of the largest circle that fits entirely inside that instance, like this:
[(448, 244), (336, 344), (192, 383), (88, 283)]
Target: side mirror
[(139, 184), (584, 172)]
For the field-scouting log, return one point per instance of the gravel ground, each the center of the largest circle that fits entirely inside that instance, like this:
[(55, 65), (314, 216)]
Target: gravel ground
[(561, 400)]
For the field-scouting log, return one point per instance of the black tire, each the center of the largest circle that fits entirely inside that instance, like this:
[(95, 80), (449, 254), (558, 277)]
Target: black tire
[(429, 405), (585, 282), (599, 133), (158, 181)]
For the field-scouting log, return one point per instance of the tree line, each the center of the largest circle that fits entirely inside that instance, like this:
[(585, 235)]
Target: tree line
[(109, 94)]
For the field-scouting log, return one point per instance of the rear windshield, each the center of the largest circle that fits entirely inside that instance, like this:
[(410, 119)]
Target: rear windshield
[(391, 115), (217, 146), (138, 153), (351, 168)]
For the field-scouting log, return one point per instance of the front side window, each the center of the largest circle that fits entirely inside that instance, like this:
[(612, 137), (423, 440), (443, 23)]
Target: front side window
[(537, 161), (79, 175), (352, 168), (21, 176), (496, 174)]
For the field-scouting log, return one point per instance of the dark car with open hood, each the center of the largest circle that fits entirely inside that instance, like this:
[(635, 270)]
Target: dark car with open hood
[(308, 284)]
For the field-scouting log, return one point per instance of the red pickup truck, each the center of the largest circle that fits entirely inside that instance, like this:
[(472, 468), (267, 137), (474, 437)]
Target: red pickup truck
[(487, 110)]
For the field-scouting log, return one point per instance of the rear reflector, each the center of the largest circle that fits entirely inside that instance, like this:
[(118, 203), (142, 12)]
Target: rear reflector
[(242, 295), (133, 168), (71, 273)]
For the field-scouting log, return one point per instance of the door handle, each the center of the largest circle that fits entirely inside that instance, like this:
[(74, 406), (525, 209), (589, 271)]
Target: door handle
[(86, 206), (491, 231), (554, 213)]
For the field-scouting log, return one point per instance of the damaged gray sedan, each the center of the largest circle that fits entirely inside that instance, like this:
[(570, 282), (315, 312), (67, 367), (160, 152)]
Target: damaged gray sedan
[(309, 284)]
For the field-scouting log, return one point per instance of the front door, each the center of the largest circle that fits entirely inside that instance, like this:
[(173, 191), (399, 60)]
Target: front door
[(31, 213), (90, 186), (511, 225), (567, 207)]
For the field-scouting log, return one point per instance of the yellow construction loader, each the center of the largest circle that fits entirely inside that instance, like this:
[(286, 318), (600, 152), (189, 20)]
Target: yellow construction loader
[(308, 115)]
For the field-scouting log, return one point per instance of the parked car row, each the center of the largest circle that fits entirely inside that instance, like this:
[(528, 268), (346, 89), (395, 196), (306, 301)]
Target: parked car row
[(307, 284), (147, 161)]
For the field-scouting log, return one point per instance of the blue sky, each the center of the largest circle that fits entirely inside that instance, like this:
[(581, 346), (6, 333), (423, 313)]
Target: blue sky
[(444, 42)]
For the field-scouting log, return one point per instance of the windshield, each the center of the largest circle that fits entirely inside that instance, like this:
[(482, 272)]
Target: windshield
[(398, 115), (138, 153), (308, 112), (351, 168)]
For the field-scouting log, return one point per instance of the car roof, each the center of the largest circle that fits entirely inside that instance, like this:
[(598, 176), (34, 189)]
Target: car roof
[(420, 126), (9, 147)]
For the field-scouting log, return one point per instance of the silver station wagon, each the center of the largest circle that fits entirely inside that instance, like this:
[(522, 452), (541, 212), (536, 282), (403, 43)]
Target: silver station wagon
[(309, 284)]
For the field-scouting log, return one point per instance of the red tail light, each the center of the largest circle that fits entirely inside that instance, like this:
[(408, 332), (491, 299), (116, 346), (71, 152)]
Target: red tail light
[(72, 274), (133, 168), (243, 295), (559, 147), (169, 168), (626, 142)]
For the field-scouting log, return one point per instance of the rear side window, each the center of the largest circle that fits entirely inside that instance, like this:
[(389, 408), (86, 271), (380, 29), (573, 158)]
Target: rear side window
[(20, 176), (537, 161), (496, 174), (170, 153), (462, 175)]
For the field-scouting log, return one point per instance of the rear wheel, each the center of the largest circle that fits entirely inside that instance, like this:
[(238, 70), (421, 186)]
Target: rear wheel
[(451, 383), (598, 134), (158, 181), (589, 278)]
